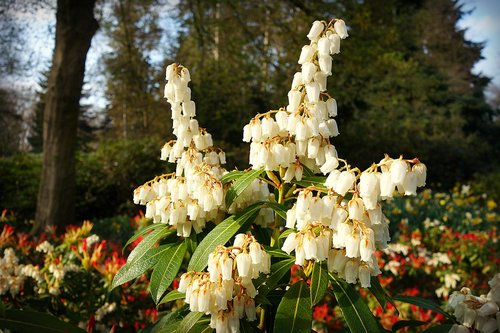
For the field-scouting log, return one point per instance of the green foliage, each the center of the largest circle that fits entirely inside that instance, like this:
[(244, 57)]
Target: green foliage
[(23, 321), (294, 312), (221, 234), (19, 178), (356, 313)]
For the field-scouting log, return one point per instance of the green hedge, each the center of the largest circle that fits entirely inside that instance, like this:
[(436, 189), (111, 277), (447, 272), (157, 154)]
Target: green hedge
[(105, 178)]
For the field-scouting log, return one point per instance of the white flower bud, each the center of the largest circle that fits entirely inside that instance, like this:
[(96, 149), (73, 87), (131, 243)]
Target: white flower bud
[(227, 268), (308, 71), (421, 171), (250, 309), (282, 120), (352, 244), (332, 125), (469, 317), (340, 29), (410, 183), (487, 309), (294, 99), (364, 276), (313, 91), (310, 247), (334, 43), (331, 106), (398, 171), (325, 64), (239, 305), (306, 54), (323, 46), (339, 262), (351, 271), (316, 30), (244, 264), (386, 186), (297, 80), (320, 79), (345, 182)]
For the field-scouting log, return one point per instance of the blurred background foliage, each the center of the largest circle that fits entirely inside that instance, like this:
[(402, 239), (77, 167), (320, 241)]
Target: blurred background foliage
[(403, 81)]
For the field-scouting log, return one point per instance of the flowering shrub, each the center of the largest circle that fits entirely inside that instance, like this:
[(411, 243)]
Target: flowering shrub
[(70, 276), (299, 207), (435, 249)]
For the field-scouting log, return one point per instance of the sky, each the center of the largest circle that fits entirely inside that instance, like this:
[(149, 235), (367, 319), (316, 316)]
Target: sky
[(483, 25)]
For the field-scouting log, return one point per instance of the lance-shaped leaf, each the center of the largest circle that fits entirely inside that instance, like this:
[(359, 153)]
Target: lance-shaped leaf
[(30, 321), (380, 294), (142, 232), (319, 282), (220, 235), (406, 323), (294, 312), (230, 176), (423, 303), (148, 242), (172, 296), (274, 252), (240, 184), (166, 270), (318, 181), (188, 322), (138, 267), (278, 209), (266, 283), (356, 313)]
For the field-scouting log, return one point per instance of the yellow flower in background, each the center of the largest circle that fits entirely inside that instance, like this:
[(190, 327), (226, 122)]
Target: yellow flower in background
[(491, 204)]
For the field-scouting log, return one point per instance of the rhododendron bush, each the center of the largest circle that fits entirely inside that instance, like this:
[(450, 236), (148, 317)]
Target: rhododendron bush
[(298, 204), (68, 275)]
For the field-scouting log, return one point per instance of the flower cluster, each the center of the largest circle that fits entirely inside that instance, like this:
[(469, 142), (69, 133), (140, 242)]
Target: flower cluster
[(226, 291), (347, 232), (193, 194), (299, 134), (11, 273), (481, 313)]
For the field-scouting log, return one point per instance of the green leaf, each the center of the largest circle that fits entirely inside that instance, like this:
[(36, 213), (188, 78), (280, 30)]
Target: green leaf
[(423, 303), (306, 171), (274, 252), (138, 267), (380, 294), (439, 328), (285, 233), (241, 184), (169, 322), (230, 176), (319, 282), (318, 181), (356, 313), (407, 323), (220, 235), (166, 270), (294, 313), (30, 321), (140, 233), (188, 322), (172, 296), (267, 283), (246, 327), (148, 242), (201, 329), (278, 208), (261, 299)]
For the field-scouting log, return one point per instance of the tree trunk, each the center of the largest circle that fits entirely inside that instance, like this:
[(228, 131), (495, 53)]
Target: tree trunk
[(75, 28)]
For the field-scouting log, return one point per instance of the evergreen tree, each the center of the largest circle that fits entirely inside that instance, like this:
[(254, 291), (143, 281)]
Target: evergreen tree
[(134, 88)]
